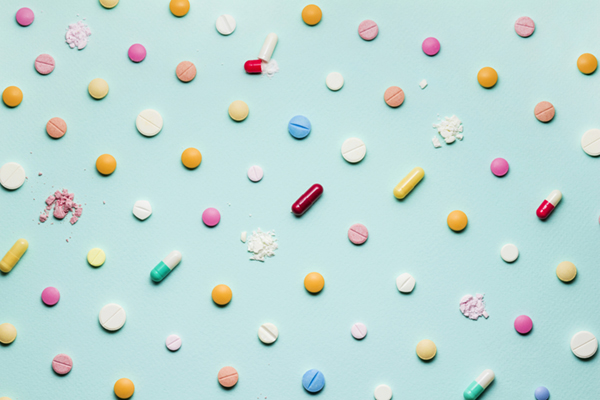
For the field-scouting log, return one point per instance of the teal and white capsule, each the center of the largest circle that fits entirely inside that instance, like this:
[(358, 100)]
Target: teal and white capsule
[(479, 385), (165, 266)]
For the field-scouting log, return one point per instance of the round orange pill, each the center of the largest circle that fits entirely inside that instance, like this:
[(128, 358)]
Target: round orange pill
[(487, 77), (12, 96), (179, 7), (191, 158), (124, 388), (228, 377), (221, 295), (587, 63), (314, 282), (311, 14), (457, 220), (106, 164)]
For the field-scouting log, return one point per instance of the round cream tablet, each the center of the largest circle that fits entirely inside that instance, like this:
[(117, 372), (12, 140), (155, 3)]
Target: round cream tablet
[(353, 150), (112, 317), (383, 392), (8, 333), (509, 253), (238, 110), (590, 142), (109, 3), (149, 123), (584, 344), (268, 333), (12, 176), (225, 24), (142, 209), (98, 88), (566, 271), (334, 81), (96, 257), (405, 283)]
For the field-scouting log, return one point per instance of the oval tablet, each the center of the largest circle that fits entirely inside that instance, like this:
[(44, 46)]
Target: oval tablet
[(225, 24), (185, 71), (56, 128), (509, 253), (228, 377), (394, 96), (173, 342), (584, 344), (149, 123), (112, 317), (353, 150), (334, 81), (358, 234), (142, 209), (405, 283), (12, 176), (383, 392), (544, 111), (62, 364), (358, 331), (590, 142), (96, 257), (268, 333)]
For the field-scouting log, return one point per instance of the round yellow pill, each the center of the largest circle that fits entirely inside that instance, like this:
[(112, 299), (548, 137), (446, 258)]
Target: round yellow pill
[(221, 295), (109, 3), (238, 110), (8, 333), (12, 96), (124, 388), (311, 14), (96, 257), (457, 220), (106, 164), (191, 158), (587, 63), (426, 349), (179, 7), (487, 77), (314, 282), (98, 88), (5, 398), (566, 271)]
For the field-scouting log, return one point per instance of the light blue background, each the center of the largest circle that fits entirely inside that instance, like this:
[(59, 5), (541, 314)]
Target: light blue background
[(405, 236)]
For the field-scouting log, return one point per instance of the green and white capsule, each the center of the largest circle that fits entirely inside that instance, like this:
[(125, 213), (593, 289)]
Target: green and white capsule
[(479, 385), (165, 266)]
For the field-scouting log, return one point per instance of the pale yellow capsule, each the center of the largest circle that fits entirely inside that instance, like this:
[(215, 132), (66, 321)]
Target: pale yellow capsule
[(14, 255), (408, 183)]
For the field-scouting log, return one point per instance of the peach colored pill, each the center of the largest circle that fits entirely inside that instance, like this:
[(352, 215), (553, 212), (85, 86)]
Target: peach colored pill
[(544, 111), (394, 96), (228, 377), (56, 128), (186, 71)]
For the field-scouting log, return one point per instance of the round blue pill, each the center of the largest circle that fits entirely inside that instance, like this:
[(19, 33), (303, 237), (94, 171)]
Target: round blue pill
[(313, 380), (299, 127), (542, 393)]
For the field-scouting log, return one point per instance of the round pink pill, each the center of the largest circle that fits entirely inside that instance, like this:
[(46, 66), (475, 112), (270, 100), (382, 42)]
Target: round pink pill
[(359, 331), (431, 46), (173, 342), (499, 167), (50, 296), (358, 234), (211, 216), (44, 64), (62, 364), (137, 53), (523, 324), (255, 173), (368, 30), (25, 16), (524, 27)]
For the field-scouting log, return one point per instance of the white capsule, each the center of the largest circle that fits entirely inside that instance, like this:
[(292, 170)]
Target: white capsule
[(554, 197), (268, 47)]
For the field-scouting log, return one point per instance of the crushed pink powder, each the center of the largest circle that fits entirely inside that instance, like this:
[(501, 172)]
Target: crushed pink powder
[(473, 307), (63, 204)]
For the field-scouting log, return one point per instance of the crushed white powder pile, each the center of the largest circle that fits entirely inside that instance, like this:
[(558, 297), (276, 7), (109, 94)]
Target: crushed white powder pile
[(450, 128), (262, 244), (270, 68), (77, 35), (473, 307)]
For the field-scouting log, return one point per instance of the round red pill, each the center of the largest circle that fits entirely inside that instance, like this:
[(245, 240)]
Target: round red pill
[(62, 364), (358, 234)]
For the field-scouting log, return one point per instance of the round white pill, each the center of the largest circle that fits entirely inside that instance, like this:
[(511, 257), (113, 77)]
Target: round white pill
[(405, 283), (225, 24), (112, 317), (334, 81), (173, 342), (590, 142), (142, 209), (359, 331), (383, 392), (149, 123), (509, 253), (12, 176), (584, 344), (353, 150), (255, 173), (268, 333)]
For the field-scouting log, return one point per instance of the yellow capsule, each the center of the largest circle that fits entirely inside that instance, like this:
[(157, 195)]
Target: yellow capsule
[(408, 183), (14, 255)]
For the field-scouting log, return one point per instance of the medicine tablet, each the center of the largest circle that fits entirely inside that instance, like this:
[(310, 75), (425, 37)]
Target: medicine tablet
[(8, 333), (228, 377), (358, 234), (173, 342), (393, 96), (499, 167), (590, 142), (12, 96), (109, 3), (268, 333), (25, 16), (44, 64), (509, 253), (487, 77), (106, 164), (225, 24), (62, 364), (211, 217), (185, 71), (426, 350), (299, 127), (383, 392), (124, 388), (353, 150), (314, 282), (405, 283), (457, 220), (96, 257), (524, 27), (255, 173), (368, 30), (358, 331), (587, 63), (584, 344), (136, 53), (142, 209), (238, 110), (179, 7), (191, 158), (334, 81), (149, 123), (12, 176), (98, 88), (313, 380), (431, 46), (112, 317), (544, 111), (523, 324), (542, 393), (221, 294), (50, 296), (566, 271), (56, 128), (311, 14)]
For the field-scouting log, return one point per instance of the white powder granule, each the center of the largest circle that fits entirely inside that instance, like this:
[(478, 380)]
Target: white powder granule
[(473, 307), (262, 244), (423, 84), (270, 68), (436, 142), (450, 128), (77, 35)]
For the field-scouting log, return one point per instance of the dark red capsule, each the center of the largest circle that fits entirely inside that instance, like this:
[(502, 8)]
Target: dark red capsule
[(307, 199), (253, 66)]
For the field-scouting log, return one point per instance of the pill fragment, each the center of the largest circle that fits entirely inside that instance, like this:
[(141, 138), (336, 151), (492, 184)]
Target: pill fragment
[(313, 380), (423, 84), (548, 205), (584, 344), (225, 24), (44, 64), (544, 111), (358, 331), (305, 201), (255, 173), (524, 27), (394, 96), (185, 71), (142, 209), (112, 317), (590, 142), (358, 234), (299, 127), (173, 342), (165, 267), (368, 30), (405, 283), (476, 388), (12, 176), (50, 296), (268, 47), (244, 236), (268, 333), (56, 128), (408, 183), (334, 81), (228, 377), (62, 364), (353, 150)]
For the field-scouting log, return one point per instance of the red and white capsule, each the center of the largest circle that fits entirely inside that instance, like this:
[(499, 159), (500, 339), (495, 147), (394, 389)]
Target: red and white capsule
[(549, 204)]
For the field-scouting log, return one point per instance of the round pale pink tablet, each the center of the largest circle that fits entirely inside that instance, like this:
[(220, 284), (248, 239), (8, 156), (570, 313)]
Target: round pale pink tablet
[(368, 29), (173, 342), (137, 53), (523, 324), (431, 46), (56, 128), (255, 173), (211, 216), (50, 296), (499, 167), (44, 64), (359, 331), (394, 96), (25, 16), (524, 27), (544, 111), (62, 364), (358, 234), (228, 377)]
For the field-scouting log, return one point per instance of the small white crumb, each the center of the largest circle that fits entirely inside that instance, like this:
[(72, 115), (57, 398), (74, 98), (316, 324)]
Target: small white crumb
[(485, 314), (243, 237), (423, 84), (459, 136), (436, 142), (450, 139)]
